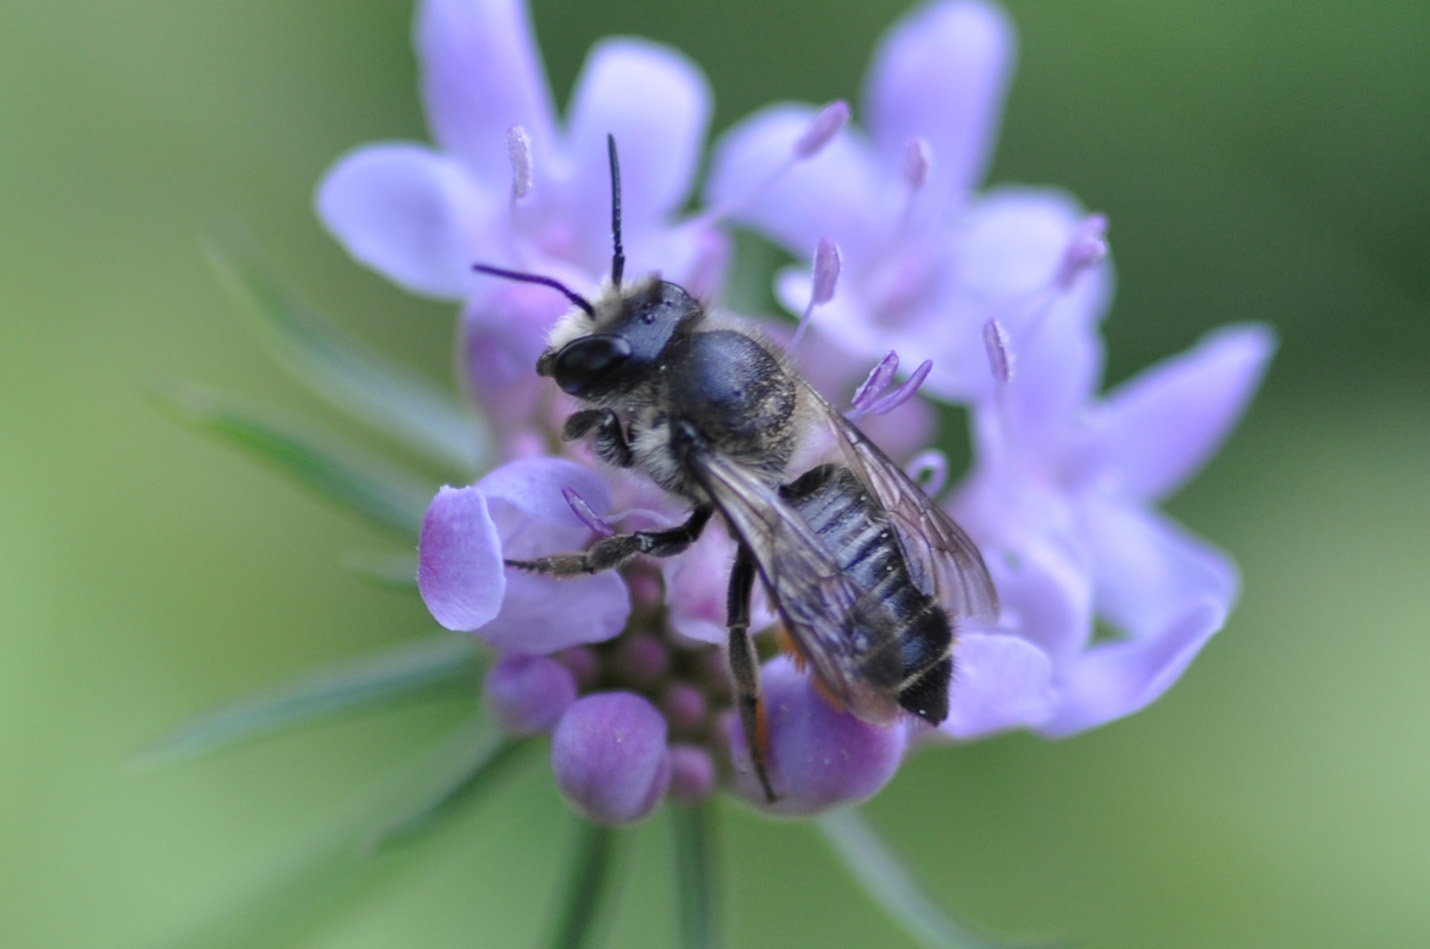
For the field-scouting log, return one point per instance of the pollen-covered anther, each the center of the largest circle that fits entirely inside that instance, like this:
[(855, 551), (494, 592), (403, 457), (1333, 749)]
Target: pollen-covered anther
[(518, 149), (826, 124)]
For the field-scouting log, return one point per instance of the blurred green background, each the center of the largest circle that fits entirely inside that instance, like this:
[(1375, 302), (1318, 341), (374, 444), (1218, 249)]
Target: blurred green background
[(1258, 161)]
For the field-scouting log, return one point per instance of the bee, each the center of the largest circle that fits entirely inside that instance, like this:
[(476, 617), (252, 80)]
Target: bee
[(869, 577)]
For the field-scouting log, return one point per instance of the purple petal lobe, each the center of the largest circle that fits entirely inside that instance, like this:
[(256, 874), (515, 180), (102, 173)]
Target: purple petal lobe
[(657, 105), (1116, 679), (409, 214), (836, 194), (609, 757), (818, 757), (482, 74), (535, 489), (526, 695), (999, 682), (460, 573), (1149, 569), (545, 615), (1157, 430), (940, 74)]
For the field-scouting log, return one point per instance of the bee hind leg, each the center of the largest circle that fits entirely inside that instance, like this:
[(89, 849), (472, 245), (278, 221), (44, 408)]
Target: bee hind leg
[(612, 552), (745, 666)]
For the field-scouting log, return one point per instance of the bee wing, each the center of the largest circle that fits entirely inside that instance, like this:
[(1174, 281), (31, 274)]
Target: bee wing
[(857, 662), (945, 563)]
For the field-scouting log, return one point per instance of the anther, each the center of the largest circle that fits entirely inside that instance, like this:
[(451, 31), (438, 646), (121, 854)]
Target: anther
[(904, 392), (1085, 250), (584, 514), (518, 148), (878, 380), (826, 277), (1000, 353), (827, 124), (916, 163)]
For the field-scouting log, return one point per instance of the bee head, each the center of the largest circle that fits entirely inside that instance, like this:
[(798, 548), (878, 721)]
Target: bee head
[(614, 350), (604, 348)]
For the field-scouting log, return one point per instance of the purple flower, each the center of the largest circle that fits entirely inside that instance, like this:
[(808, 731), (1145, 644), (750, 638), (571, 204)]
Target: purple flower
[(1062, 499), (527, 695), (517, 511), (926, 262), (610, 759), (1003, 292), (507, 184)]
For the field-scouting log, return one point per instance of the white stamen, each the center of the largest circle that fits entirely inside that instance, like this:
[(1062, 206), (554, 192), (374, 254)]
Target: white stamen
[(518, 148)]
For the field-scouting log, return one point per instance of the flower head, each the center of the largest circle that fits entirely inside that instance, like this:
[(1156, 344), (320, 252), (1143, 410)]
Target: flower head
[(996, 297)]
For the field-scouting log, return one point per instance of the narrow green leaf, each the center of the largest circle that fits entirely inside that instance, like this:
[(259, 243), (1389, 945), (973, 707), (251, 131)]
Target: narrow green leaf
[(391, 674), (696, 875), (384, 495), (386, 569), (892, 885), (591, 869), (468, 765), (354, 377)]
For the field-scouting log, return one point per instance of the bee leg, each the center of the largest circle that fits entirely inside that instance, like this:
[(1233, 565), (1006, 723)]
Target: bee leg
[(612, 552), (610, 442), (745, 665)]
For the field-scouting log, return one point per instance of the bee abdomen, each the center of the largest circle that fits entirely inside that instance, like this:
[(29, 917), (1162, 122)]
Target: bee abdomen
[(856, 530)]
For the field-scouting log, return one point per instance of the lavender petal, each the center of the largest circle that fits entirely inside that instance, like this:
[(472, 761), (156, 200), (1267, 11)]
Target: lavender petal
[(410, 214)]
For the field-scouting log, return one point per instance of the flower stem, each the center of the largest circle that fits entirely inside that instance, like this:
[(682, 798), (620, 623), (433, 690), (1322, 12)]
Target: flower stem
[(697, 877), (591, 868)]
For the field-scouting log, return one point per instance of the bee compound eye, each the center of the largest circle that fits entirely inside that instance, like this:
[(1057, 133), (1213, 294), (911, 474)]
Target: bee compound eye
[(583, 364)]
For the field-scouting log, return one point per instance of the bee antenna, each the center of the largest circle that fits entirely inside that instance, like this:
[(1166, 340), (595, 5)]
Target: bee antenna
[(551, 282), (618, 253)]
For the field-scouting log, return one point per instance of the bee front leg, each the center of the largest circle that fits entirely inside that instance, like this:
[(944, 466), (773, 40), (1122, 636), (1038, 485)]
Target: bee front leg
[(610, 442), (612, 552), (745, 664)]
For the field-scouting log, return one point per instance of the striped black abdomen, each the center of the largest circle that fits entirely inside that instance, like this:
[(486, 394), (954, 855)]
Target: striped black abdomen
[(856, 530)]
